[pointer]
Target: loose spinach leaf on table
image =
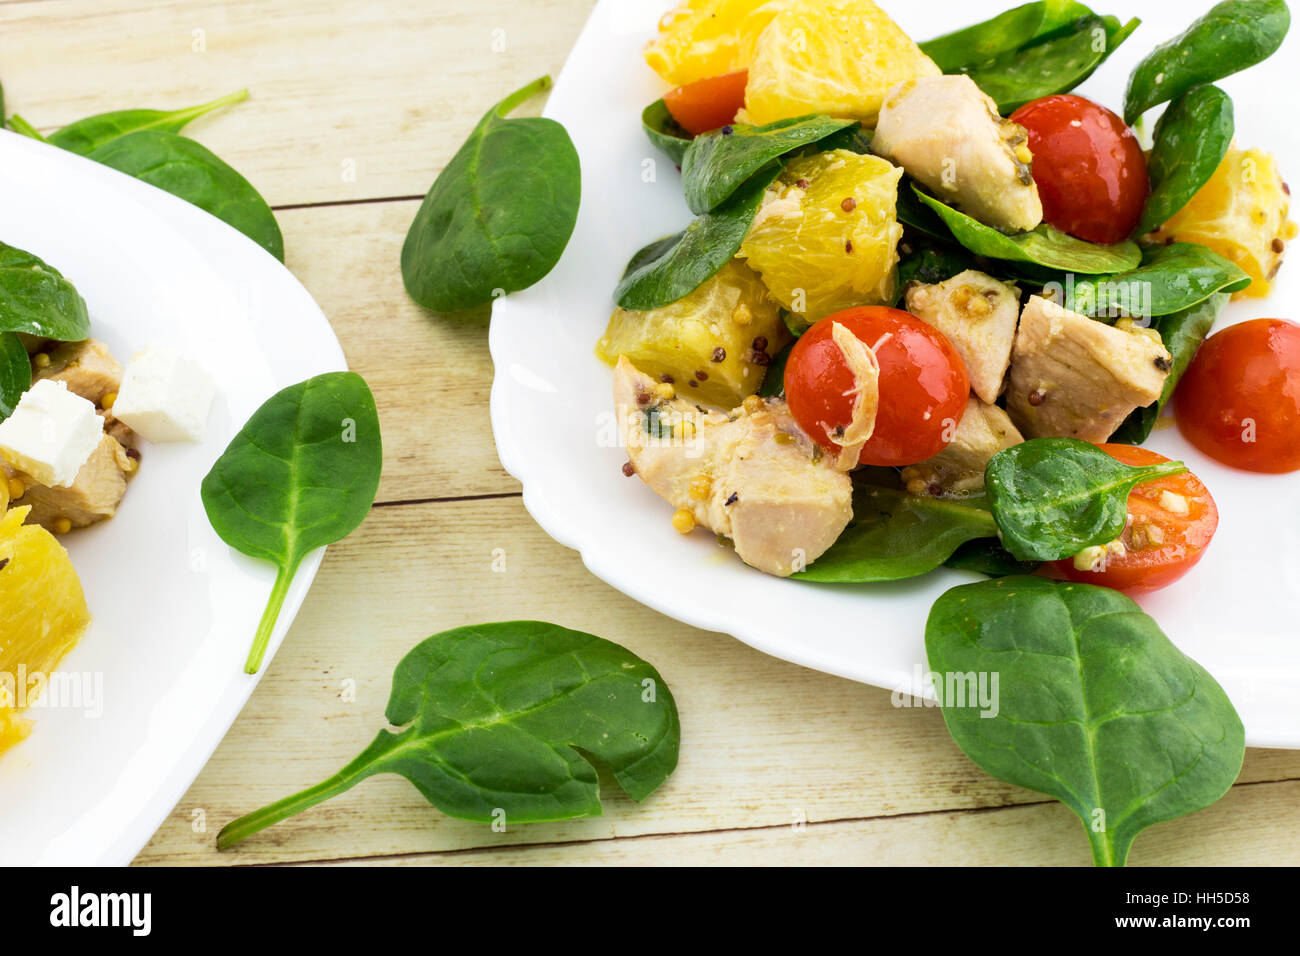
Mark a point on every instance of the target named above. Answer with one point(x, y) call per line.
point(21, 126)
point(499, 215)
point(1191, 139)
point(499, 719)
point(301, 474)
point(971, 46)
point(1233, 36)
point(1182, 332)
point(1171, 279)
point(717, 163)
point(987, 556)
point(36, 299)
point(667, 270)
point(665, 132)
point(894, 535)
point(15, 372)
point(1095, 706)
point(187, 169)
point(87, 135)
point(1042, 245)
point(1053, 497)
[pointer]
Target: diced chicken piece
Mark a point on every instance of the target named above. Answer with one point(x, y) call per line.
point(947, 134)
point(1076, 377)
point(85, 367)
point(978, 315)
point(93, 496)
point(984, 431)
point(750, 475)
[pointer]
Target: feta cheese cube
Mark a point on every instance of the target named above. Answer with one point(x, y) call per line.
point(164, 397)
point(51, 434)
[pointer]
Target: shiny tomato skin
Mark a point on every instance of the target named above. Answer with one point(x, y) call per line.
point(923, 384)
point(1184, 537)
point(1239, 401)
point(708, 104)
point(1089, 167)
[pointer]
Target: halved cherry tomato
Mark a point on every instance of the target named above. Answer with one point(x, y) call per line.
point(1239, 401)
point(1088, 165)
point(1161, 543)
point(923, 384)
point(708, 104)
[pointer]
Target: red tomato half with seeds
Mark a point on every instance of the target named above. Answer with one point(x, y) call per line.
point(923, 385)
point(1089, 167)
point(707, 104)
point(1173, 520)
point(1239, 401)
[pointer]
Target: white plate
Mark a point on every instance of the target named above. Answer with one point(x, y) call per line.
point(1236, 613)
point(174, 608)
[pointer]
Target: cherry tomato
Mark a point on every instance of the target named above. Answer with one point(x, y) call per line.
point(923, 384)
point(1160, 545)
point(707, 104)
point(1239, 401)
point(1088, 165)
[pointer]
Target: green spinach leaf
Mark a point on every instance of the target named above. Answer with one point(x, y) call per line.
point(676, 266)
point(1171, 279)
point(1191, 139)
point(36, 299)
point(301, 474)
point(185, 168)
point(665, 132)
point(717, 163)
point(1053, 497)
point(894, 535)
point(1182, 332)
point(15, 372)
point(987, 556)
point(499, 215)
point(774, 379)
point(1234, 35)
point(497, 722)
point(1093, 704)
point(931, 264)
point(87, 135)
point(20, 125)
point(971, 46)
point(1042, 245)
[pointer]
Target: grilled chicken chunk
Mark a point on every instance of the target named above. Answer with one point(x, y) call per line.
point(85, 367)
point(947, 134)
point(978, 315)
point(984, 430)
point(1076, 377)
point(93, 496)
point(750, 475)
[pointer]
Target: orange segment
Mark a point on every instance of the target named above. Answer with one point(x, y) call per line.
point(706, 38)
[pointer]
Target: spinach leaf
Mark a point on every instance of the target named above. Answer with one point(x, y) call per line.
point(931, 264)
point(853, 138)
point(1054, 64)
point(1093, 704)
point(960, 50)
point(916, 215)
point(1042, 245)
point(36, 299)
point(1053, 497)
point(15, 372)
point(87, 135)
point(20, 125)
point(987, 556)
point(1191, 139)
point(774, 379)
point(1182, 332)
point(1171, 279)
point(499, 719)
point(1234, 35)
point(894, 535)
point(302, 473)
point(499, 215)
point(665, 132)
point(191, 171)
point(676, 266)
point(717, 163)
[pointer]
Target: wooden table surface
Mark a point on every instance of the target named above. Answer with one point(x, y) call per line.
point(354, 107)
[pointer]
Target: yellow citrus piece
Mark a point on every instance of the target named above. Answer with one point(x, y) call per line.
point(705, 38)
point(44, 613)
point(826, 237)
point(829, 56)
point(1242, 214)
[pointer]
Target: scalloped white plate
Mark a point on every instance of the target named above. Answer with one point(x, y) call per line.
point(174, 608)
point(1237, 612)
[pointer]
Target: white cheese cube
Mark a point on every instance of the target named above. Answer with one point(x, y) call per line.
point(164, 396)
point(51, 434)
